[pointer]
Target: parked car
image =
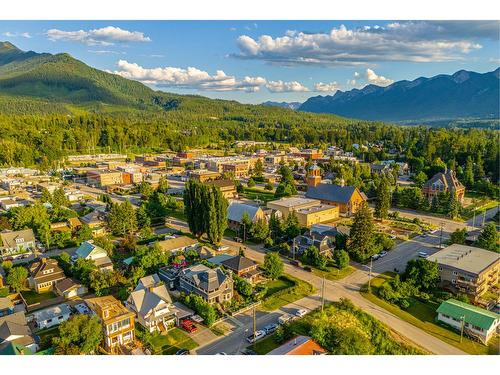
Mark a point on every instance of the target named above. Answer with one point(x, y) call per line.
point(188, 326)
point(258, 335)
point(237, 239)
point(270, 328)
point(300, 313)
point(423, 254)
point(197, 319)
point(382, 254)
point(223, 248)
point(182, 352)
point(375, 257)
point(285, 318)
point(434, 231)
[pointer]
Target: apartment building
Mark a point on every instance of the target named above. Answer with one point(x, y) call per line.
point(467, 269)
point(103, 178)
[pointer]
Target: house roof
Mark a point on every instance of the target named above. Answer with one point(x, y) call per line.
point(238, 263)
point(15, 325)
point(9, 237)
point(177, 243)
point(66, 284)
point(11, 348)
point(331, 230)
point(236, 210)
point(301, 345)
point(6, 303)
point(205, 278)
point(447, 178)
point(220, 183)
point(93, 217)
point(46, 269)
point(218, 259)
point(466, 258)
point(51, 312)
point(471, 314)
point(329, 192)
point(86, 248)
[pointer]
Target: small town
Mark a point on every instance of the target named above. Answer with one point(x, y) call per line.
point(243, 251)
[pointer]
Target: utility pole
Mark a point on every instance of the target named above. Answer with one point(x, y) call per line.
point(323, 294)
point(254, 324)
point(441, 236)
point(370, 275)
point(462, 328)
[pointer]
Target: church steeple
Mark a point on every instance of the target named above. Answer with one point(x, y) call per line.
point(314, 175)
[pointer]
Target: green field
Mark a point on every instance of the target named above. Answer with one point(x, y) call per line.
point(285, 290)
point(254, 193)
point(264, 346)
point(333, 273)
point(422, 315)
point(171, 342)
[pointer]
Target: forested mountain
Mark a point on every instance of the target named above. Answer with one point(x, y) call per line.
point(461, 95)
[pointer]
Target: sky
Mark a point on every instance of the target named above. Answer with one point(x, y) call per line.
point(256, 61)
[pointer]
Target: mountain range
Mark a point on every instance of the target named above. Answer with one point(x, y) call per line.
point(464, 94)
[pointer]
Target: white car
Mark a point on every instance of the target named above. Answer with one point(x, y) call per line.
point(382, 254)
point(197, 319)
point(258, 335)
point(223, 248)
point(300, 313)
point(423, 254)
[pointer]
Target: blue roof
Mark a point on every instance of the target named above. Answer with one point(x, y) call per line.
point(333, 193)
point(236, 210)
point(86, 248)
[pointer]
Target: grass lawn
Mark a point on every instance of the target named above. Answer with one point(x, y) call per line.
point(171, 342)
point(285, 290)
point(422, 316)
point(4, 292)
point(177, 214)
point(254, 193)
point(33, 297)
point(334, 273)
point(264, 346)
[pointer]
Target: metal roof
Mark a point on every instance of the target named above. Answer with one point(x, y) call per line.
point(471, 314)
point(329, 192)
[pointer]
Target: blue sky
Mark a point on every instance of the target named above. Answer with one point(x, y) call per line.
point(255, 61)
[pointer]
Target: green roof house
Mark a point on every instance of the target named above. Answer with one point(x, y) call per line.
point(478, 323)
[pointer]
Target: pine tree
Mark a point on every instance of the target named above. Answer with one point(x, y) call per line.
point(383, 200)
point(360, 244)
point(488, 238)
point(469, 173)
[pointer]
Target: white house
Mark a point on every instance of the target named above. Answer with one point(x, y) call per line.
point(88, 250)
point(51, 316)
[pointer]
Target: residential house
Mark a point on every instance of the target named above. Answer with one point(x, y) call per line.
point(444, 182)
point(117, 321)
point(96, 221)
point(213, 285)
point(175, 244)
point(50, 316)
point(70, 288)
point(476, 322)
point(15, 242)
point(467, 269)
point(331, 230)
point(44, 274)
point(227, 188)
point(243, 267)
point(14, 331)
point(324, 243)
point(300, 345)
point(348, 198)
point(89, 250)
point(380, 168)
point(237, 210)
point(151, 303)
point(6, 306)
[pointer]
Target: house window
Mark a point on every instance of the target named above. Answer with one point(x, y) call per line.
point(453, 281)
point(455, 273)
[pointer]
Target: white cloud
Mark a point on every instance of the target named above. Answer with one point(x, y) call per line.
point(9, 34)
point(191, 78)
point(326, 87)
point(281, 86)
point(373, 78)
point(105, 52)
point(105, 36)
point(404, 41)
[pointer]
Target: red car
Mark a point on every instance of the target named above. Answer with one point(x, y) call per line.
point(188, 326)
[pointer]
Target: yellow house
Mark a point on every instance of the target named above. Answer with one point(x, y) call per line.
point(308, 211)
point(116, 320)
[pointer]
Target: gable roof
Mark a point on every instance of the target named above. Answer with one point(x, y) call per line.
point(15, 325)
point(66, 284)
point(46, 269)
point(149, 293)
point(87, 248)
point(329, 192)
point(238, 263)
point(447, 178)
point(471, 314)
point(205, 278)
point(176, 243)
point(236, 210)
point(9, 237)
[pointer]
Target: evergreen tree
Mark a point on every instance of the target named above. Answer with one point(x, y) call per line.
point(273, 265)
point(275, 227)
point(458, 236)
point(162, 185)
point(122, 219)
point(341, 258)
point(360, 244)
point(383, 200)
point(16, 278)
point(469, 173)
point(258, 170)
point(488, 238)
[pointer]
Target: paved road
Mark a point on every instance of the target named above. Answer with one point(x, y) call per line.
point(346, 288)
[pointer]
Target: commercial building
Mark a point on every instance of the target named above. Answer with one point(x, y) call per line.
point(308, 211)
point(227, 188)
point(467, 269)
point(348, 198)
point(103, 178)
